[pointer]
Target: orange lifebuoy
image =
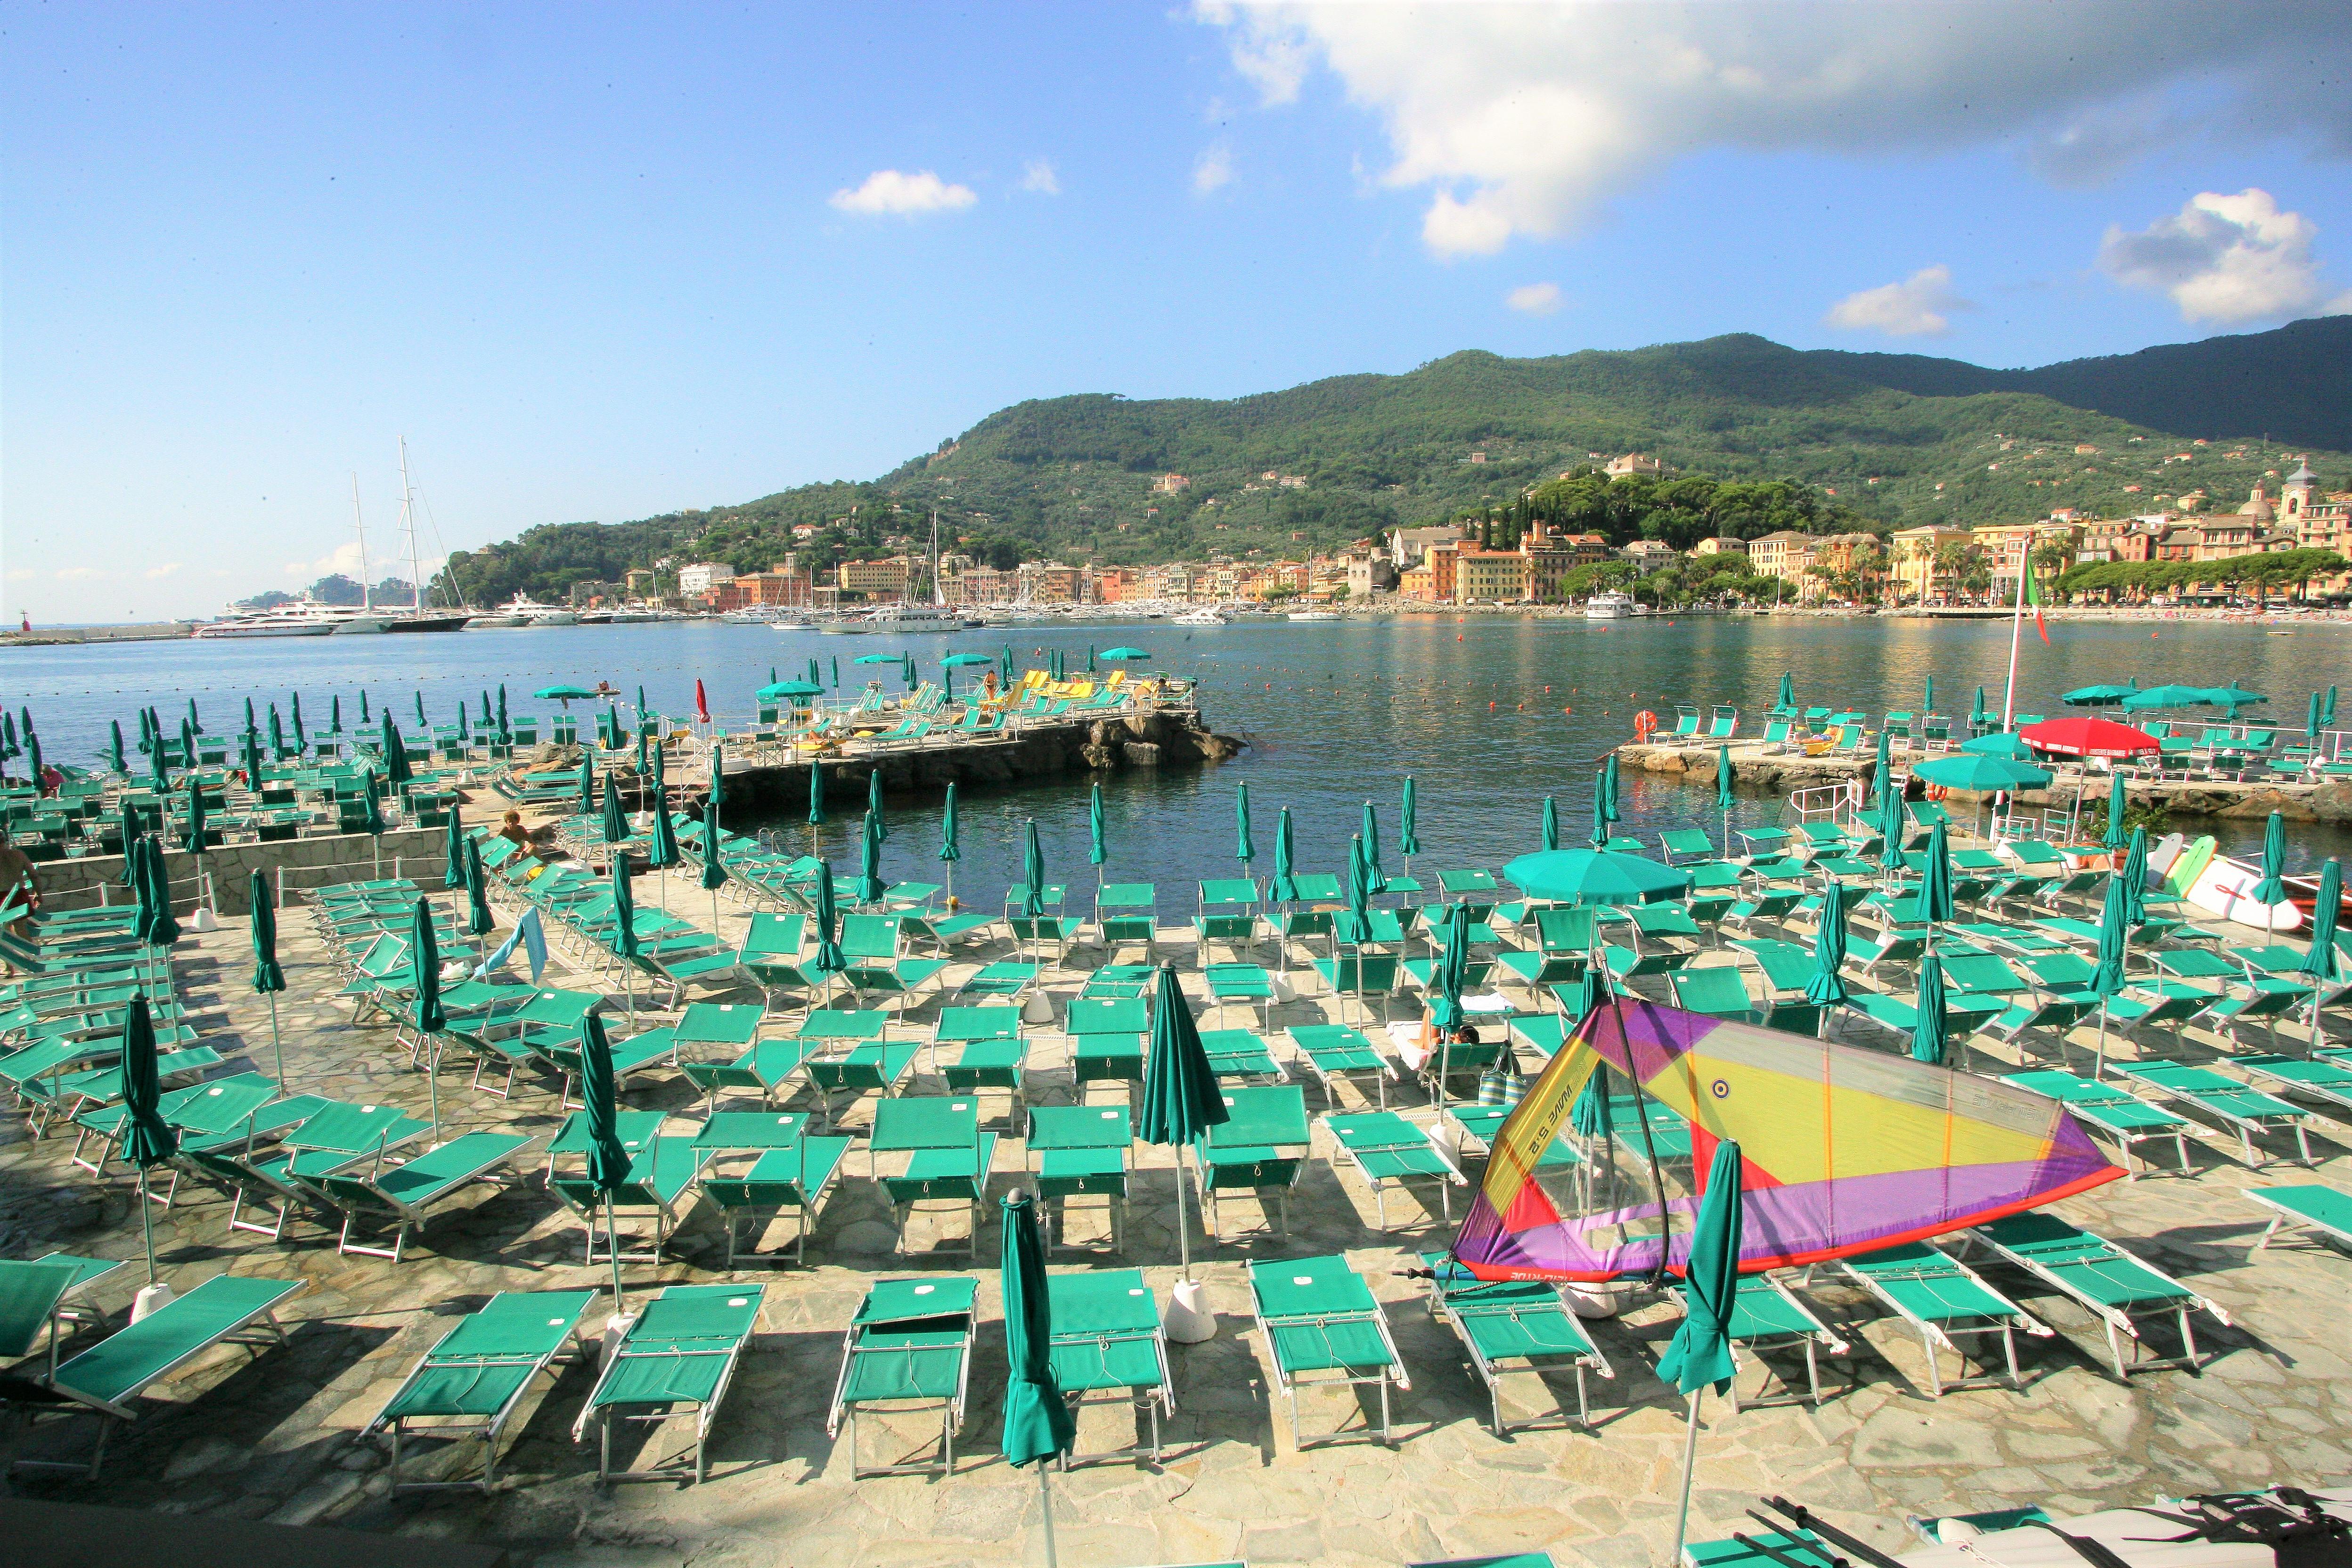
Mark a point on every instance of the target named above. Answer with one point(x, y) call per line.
point(1934, 791)
point(1644, 724)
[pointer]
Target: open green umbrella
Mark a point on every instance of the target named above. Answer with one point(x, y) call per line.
point(828, 959)
point(567, 695)
point(1550, 823)
point(1245, 847)
point(425, 1011)
point(950, 850)
point(2005, 743)
point(608, 1157)
point(121, 765)
point(147, 1139)
point(1033, 872)
point(1376, 880)
point(2117, 834)
point(2271, 888)
point(269, 978)
point(1826, 989)
point(1700, 1353)
point(2157, 697)
point(1098, 840)
point(616, 826)
point(1038, 1425)
point(2101, 696)
point(1725, 777)
point(1596, 877)
point(453, 850)
point(1126, 655)
point(1936, 879)
point(876, 658)
point(870, 886)
point(789, 689)
point(1181, 1097)
point(965, 660)
point(1285, 885)
point(2134, 878)
point(1975, 771)
point(1407, 827)
point(1930, 1029)
point(2234, 697)
point(2319, 959)
point(2108, 979)
point(873, 807)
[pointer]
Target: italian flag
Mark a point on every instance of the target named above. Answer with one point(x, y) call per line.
point(2029, 593)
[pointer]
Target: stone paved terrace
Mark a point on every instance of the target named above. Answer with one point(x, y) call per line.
point(277, 1436)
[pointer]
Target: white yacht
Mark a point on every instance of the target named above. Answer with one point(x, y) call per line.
point(1314, 615)
point(898, 620)
point(1206, 615)
point(1610, 607)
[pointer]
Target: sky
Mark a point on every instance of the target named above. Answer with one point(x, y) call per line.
point(602, 262)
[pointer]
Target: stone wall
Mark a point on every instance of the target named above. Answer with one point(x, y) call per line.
point(307, 863)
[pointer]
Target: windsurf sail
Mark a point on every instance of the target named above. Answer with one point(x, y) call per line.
point(1843, 1150)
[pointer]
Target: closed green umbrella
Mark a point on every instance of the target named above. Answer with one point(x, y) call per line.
point(817, 818)
point(1700, 1353)
point(608, 1157)
point(2319, 959)
point(663, 854)
point(1358, 919)
point(453, 850)
point(1038, 1425)
point(836, 672)
point(1550, 823)
point(252, 744)
point(1245, 847)
point(1407, 827)
point(1891, 820)
point(1725, 776)
point(587, 785)
point(364, 707)
point(1090, 658)
point(2327, 713)
point(193, 840)
point(195, 723)
point(335, 715)
point(425, 1011)
point(33, 768)
point(1453, 970)
point(301, 741)
point(395, 761)
point(1976, 714)
point(1097, 842)
point(1931, 1034)
point(1596, 876)
point(1936, 881)
point(1881, 770)
point(616, 821)
point(2134, 878)
point(479, 920)
point(1592, 1115)
point(1928, 696)
point(488, 722)
point(147, 1139)
point(1181, 1097)
point(1033, 872)
point(1609, 787)
point(1284, 887)
point(2108, 979)
point(187, 743)
point(828, 959)
point(2271, 888)
point(464, 737)
point(1786, 696)
point(874, 806)
point(950, 850)
point(870, 862)
point(1600, 813)
point(157, 773)
point(132, 832)
point(268, 979)
point(372, 811)
point(422, 721)
point(1376, 882)
point(2117, 834)
point(1827, 987)
point(163, 930)
point(502, 707)
point(624, 942)
point(121, 765)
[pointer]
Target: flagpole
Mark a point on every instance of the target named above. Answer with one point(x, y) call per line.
point(2016, 631)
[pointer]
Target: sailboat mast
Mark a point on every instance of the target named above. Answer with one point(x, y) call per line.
point(939, 592)
point(358, 526)
point(408, 520)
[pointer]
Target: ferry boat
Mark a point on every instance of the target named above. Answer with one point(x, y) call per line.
point(1314, 615)
point(1610, 607)
point(900, 620)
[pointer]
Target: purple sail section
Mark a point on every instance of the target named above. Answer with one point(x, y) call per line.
point(1642, 1039)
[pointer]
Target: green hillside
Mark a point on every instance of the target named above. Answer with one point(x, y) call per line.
point(1876, 441)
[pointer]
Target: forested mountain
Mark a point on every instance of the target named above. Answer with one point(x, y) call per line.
point(1824, 440)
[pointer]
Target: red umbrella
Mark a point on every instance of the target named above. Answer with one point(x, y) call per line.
point(701, 703)
point(2087, 737)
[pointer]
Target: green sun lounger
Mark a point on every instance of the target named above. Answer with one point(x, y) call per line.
point(472, 1381)
point(401, 1194)
point(2123, 1116)
point(1250, 1152)
point(2321, 1208)
point(1766, 1315)
point(1080, 1151)
point(661, 1172)
point(106, 1379)
point(875, 1067)
point(790, 1168)
point(35, 1295)
point(1240, 1056)
point(1107, 1032)
point(1388, 1151)
point(949, 1157)
point(2116, 1288)
point(2323, 1080)
point(909, 1347)
point(1944, 1301)
point(1513, 1328)
point(1323, 1329)
point(679, 1357)
point(1334, 1054)
point(1763, 1549)
point(1108, 1340)
point(2245, 1110)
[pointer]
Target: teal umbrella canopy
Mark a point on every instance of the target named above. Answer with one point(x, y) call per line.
point(567, 695)
point(790, 688)
point(1453, 970)
point(1930, 1033)
point(873, 807)
point(1827, 987)
point(479, 922)
point(1596, 877)
point(1181, 1097)
point(950, 850)
point(1245, 847)
point(1033, 871)
point(2134, 878)
point(1098, 841)
point(2098, 696)
point(966, 660)
point(2157, 697)
point(2005, 743)
point(1125, 655)
point(2117, 834)
point(1376, 882)
point(1284, 887)
point(2271, 888)
point(2234, 697)
point(1936, 879)
point(1700, 1355)
point(2320, 962)
point(2115, 929)
point(1550, 823)
point(870, 862)
point(1037, 1420)
point(1408, 822)
point(876, 658)
point(1724, 776)
point(424, 956)
point(268, 976)
point(624, 941)
point(1982, 774)
point(828, 959)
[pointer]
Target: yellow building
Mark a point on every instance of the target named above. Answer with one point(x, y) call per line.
point(1786, 553)
point(1911, 556)
point(1498, 576)
point(885, 579)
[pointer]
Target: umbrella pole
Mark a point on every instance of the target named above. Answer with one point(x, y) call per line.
point(275, 1044)
point(613, 1247)
point(433, 1080)
point(2099, 1064)
point(1045, 1502)
point(147, 1223)
point(1183, 1230)
point(1690, 1465)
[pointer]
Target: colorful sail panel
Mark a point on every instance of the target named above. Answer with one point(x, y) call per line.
point(1843, 1150)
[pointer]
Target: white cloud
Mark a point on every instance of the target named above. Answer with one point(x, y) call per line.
point(1534, 298)
point(78, 574)
point(155, 574)
point(1518, 121)
point(1213, 169)
point(2225, 260)
point(1915, 308)
point(1038, 175)
point(888, 193)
